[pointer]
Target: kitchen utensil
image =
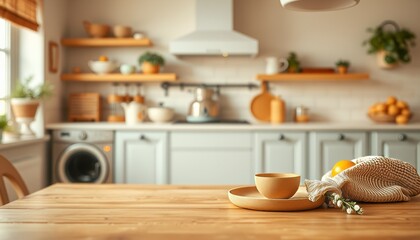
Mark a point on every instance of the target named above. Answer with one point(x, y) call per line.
point(121, 31)
point(277, 185)
point(96, 30)
point(203, 108)
point(260, 104)
point(249, 197)
point(134, 112)
point(160, 114)
point(275, 65)
point(102, 67)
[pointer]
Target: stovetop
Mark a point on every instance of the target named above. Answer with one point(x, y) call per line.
point(220, 121)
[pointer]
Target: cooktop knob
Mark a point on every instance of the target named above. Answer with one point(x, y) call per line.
point(83, 135)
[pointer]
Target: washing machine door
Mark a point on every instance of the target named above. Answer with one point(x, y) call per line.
point(82, 163)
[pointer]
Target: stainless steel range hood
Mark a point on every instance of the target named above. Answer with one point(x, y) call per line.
point(214, 34)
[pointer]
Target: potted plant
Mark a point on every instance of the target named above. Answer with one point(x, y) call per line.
point(150, 62)
point(25, 101)
point(294, 64)
point(391, 46)
point(3, 125)
point(342, 66)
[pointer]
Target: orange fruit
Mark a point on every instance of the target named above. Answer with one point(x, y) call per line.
point(391, 100)
point(393, 110)
point(406, 112)
point(401, 119)
point(103, 58)
point(402, 105)
point(341, 166)
point(381, 108)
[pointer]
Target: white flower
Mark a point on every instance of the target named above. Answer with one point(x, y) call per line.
point(339, 203)
point(349, 211)
point(356, 208)
point(336, 197)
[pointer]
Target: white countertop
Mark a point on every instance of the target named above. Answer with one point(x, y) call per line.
point(366, 126)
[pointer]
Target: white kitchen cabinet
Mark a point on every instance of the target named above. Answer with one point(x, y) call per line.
point(400, 145)
point(141, 157)
point(30, 164)
point(211, 158)
point(326, 148)
point(278, 151)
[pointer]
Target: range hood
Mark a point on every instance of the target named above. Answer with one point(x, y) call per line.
point(214, 34)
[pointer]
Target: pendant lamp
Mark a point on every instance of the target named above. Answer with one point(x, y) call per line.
point(318, 5)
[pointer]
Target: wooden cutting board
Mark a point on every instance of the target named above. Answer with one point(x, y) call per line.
point(260, 104)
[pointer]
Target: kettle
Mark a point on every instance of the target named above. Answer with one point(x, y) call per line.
point(134, 112)
point(203, 108)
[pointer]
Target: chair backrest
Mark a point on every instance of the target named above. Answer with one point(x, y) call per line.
point(7, 170)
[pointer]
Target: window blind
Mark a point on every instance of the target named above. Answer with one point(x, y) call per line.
point(20, 12)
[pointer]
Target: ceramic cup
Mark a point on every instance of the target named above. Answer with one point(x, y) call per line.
point(277, 185)
point(127, 69)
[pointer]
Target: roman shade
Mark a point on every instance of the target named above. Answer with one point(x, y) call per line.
point(20, 12)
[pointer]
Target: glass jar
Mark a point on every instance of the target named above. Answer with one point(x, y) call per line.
point(301, 114)
point(116, 110)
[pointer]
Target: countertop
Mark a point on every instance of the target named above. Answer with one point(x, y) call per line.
point(312, 126)
point(111, 211)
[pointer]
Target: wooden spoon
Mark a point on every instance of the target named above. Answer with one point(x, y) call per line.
point(260, 104)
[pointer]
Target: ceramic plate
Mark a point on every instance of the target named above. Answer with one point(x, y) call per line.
point(250, 198)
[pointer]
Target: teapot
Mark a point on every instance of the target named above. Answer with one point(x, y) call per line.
point(134, 112)
point(276, 65)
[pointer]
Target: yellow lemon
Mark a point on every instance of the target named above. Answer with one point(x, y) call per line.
point(341, 166)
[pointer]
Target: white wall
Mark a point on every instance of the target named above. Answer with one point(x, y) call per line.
point(319, 39)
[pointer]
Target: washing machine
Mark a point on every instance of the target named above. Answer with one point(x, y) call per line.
point(82, 156)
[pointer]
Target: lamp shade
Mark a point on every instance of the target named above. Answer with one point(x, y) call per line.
point(318, 5)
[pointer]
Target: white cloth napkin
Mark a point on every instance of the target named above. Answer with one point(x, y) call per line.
point(372, 179)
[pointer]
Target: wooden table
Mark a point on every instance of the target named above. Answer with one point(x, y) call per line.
point(77, 211)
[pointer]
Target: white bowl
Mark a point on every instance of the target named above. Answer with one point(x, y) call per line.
point(101, 67)
point(160, 114)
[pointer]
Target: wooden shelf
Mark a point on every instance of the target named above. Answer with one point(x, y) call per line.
point(312, 76)
point(116, 77)
point(106, 42)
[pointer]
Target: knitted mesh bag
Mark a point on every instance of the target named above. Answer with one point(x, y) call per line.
point(372, 179)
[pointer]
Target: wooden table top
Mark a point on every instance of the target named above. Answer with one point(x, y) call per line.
point(84, 211)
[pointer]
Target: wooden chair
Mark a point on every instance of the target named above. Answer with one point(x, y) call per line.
point(8, 171)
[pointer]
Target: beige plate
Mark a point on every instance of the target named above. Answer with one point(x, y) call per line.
point(250, 198)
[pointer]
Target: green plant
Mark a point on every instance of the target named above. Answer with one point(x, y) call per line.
point(3, 122)
point(294, 64)
point(24, 90)
point(395, 43)
point(343, 63)
point(152, 58)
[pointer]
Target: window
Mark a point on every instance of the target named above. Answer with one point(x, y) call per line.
point(4, 64)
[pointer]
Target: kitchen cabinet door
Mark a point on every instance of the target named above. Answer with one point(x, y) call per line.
point(326, 148)
point(400, 145)
point(281, 152)
point(211, 158)
point(141, 157)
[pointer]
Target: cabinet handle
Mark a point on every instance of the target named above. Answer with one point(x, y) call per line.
point(281, 138)
point(341, 137)
point(402, 137)
point(142, 137)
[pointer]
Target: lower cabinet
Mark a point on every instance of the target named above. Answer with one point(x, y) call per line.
point(400, 145)
point(326, 148)
point(141, 157)
point(281, 152)
point(211, 158)
point(30, 164)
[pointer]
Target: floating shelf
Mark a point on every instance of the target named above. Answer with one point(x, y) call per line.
point(115, 77)
point(106, 42)
point(312, 76)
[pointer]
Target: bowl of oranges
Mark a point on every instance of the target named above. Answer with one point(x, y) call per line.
point(392, 110)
